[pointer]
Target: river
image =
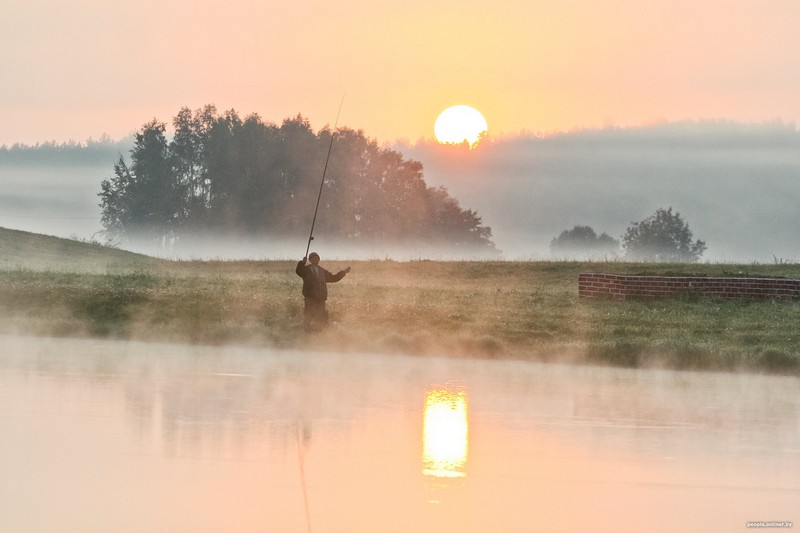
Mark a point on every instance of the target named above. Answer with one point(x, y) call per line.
point(99, 436)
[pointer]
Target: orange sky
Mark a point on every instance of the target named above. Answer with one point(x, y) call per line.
point(78, 69)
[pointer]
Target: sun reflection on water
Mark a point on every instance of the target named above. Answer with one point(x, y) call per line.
point(445, 433)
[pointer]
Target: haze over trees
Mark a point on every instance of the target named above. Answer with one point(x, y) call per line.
point(737, 183)
point(583, 241)
point(663, 236)
point(528, 188)
point(224, 175)
point(86, 152)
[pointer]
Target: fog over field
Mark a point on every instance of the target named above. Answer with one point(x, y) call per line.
point(736, 185)
point(60, 201)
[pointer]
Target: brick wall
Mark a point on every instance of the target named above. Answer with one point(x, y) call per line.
point(620, 287)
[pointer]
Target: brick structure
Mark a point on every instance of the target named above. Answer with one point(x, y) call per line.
point(620, 287)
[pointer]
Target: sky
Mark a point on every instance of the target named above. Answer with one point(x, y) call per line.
point(74, 70)
point(599, 112)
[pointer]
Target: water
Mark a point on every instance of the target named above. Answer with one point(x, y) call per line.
point(111, 436)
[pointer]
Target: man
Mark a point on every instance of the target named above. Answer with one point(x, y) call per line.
point(315, 291)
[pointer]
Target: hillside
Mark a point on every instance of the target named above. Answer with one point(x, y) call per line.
point(21, 249)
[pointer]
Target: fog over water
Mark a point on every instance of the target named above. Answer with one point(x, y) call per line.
point(120, 436)
point(736, 185)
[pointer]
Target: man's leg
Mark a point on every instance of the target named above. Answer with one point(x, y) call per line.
point(316, 317)
point(323, 315)
point(308, 315)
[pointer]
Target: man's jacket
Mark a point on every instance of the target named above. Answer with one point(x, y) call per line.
point(315, 280)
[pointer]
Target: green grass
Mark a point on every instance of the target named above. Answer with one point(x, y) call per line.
point(21, 249)
point(522, 310)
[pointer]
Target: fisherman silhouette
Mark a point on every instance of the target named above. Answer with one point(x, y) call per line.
point(315, 291)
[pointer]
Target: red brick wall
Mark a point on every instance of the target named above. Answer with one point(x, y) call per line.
point(620, 287)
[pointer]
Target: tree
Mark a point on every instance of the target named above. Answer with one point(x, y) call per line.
point(224, 175)
point(582, 240)
point(663, 236)
point(143, 200)
point(114, 200)
point(188, 151)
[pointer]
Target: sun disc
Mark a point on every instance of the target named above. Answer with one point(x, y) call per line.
point(460, 123)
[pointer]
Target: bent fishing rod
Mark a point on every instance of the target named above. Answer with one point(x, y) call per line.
point(322, 183)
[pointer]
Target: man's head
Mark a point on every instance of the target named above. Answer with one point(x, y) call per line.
point(313, 258)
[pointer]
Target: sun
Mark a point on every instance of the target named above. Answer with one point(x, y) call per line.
point(458, 124)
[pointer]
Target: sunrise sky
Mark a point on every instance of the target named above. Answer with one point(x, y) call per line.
point(79, 69)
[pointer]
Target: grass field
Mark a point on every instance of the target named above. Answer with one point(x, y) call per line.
point(523, 310)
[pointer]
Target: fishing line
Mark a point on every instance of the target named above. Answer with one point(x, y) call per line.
point(324, 171)
point(301, 462)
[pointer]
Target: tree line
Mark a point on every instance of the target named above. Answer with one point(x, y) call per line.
point(89, 152)
point(664, 236)
point(222, 174)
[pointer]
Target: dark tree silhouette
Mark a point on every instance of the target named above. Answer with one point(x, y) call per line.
point(663, 236)
point(143, 200)
point(228, 175)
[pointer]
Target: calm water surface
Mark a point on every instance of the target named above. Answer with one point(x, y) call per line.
point(126, 437)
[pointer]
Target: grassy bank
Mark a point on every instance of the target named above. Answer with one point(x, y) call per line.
point(476, 309)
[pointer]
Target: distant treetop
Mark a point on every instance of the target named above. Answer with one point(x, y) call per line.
point(583, 242)
point(663, 236)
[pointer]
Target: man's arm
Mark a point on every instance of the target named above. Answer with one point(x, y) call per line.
point(301, 267)
point(333, 278)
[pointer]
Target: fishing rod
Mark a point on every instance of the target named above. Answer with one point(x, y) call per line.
point(324, 171)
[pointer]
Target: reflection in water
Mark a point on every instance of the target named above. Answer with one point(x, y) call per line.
point(445, 433)
point(205, 439)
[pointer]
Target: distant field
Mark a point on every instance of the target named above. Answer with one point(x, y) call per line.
point(522, 310)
